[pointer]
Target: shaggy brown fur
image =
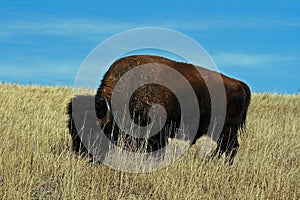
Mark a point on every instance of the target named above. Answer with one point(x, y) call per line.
point(237, 98)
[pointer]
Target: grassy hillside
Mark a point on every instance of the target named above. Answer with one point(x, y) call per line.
point(36, 161)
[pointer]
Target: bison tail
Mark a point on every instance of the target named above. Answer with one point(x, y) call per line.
point(246, 103)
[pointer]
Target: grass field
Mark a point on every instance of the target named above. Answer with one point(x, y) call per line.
point(36, 161)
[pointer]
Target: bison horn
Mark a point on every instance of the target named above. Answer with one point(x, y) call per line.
point(108, 116)
point(102, 122)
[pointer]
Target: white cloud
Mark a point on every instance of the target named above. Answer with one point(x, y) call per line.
point(249, 60)
point(92, 27)
point(38, 69)
point(212, 23)
point(63, 27)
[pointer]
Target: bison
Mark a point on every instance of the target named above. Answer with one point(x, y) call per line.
point(236, 102)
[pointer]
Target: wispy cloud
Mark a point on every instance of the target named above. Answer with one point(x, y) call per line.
point(250, 60)
point(241, 22)
point(79, 27)
point(88, 29)
point(39, 71)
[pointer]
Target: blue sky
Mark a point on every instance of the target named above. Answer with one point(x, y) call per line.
point(45, 42)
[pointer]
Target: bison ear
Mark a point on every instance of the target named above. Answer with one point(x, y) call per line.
point(102, 107)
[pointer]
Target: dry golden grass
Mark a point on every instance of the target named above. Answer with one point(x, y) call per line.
point(36, 161)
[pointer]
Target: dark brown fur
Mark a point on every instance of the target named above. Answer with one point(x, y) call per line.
point(237, 96)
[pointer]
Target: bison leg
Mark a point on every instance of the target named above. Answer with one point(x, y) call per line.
point(77, 145)
point(228, 144)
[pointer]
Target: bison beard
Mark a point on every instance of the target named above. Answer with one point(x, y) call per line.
point(237, 99)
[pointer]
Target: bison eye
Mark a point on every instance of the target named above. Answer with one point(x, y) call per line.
point(101, 108)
